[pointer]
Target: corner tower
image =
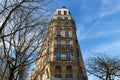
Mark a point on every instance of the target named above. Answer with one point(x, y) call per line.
point(60, 55)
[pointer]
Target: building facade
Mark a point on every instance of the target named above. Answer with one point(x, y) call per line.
point(60, 57)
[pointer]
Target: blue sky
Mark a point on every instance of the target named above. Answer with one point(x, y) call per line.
point(97, 22)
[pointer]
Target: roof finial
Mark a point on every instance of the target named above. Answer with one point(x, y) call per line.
point(63, 7)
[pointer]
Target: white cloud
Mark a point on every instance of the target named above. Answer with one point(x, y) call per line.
point(110, 47)
point(105, 2)
point(109, 7)
point(91, 33)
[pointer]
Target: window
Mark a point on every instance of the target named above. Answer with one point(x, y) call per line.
point(58, 33)
point(65, 12)
point(58, 43)
point(59, 12)
point(58, 56)
point(58, 24)
point(67, 44)
point(67, 33)
point(58, 72)
point(66, 25)
point(66, 18)
point(68, 56)
point(68, 72)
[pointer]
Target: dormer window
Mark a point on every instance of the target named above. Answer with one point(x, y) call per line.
point(59, 12)
point(65, 12)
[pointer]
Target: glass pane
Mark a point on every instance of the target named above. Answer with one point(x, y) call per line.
point(65, 12)
point(58, 72)
point(58, 56)
point(58, 43)
point(58, 33)
point(68, 56)
point(67, 33)
point(68, 72)
point(59, 12)
point(67, 44)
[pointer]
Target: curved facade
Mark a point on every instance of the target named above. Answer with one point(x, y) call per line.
point(60, 55)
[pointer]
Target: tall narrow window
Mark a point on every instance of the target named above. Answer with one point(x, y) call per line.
point(59, 12)
point(58, 33)
point(67, 44)
point(58, 43)
point(58, 24)
point(67, 33)
point(58, 56)
point(65, 12)
point(68, 56)
point(68, 72)
point(58, 72)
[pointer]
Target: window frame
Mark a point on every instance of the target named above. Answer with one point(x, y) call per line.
point(58, 33)
point(58, 56)
point(58, 44)
point(69, 72)
point(67, 44)
point(66, 33)
point(58, 72)
point(59, 12)
point(68, 56)
point(65, 12)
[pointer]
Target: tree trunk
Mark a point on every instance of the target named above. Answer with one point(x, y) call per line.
point(108, 77)
point(11, 76)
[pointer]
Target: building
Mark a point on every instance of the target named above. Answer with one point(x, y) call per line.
point(60, 57)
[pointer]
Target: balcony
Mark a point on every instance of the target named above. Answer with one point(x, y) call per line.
point(59, 46)
point(63, 28)
point(63, 47)
point(68, 46)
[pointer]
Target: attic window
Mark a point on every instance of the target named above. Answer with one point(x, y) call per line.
point(65, 12)
point(59, 12)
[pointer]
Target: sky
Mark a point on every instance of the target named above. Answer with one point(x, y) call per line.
point(97, 22)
